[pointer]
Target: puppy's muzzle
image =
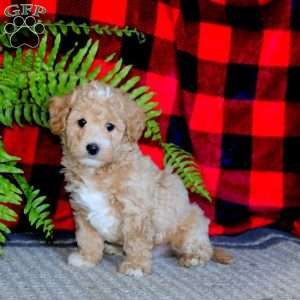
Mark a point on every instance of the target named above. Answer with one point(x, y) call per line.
point(92, 149)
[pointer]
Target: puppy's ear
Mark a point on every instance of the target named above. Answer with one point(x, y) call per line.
point(135, 121)
point(59, 108)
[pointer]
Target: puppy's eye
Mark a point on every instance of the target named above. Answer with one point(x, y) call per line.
point(81, 122)
point(110, 126)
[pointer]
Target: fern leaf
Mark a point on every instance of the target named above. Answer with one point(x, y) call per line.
point(75, 27)
point(59, 67)
point(107, 29)
point(129, 84)
point(52, 28)
point(7, 60)
point(38, 201)
point(62, 26)
point(53, 53)
point(52, 82)
point(9, 193)
point(8, 116)
point(83, 28)
point(149, 106)
point(62, 80)
point(120, 76)
point(40, 54)
point(85, 66)
point(7, 214)
point(10, 197)
point(77, 59)
point(2, 241)
point(36, 115)
point(5, 168)
point(18, 61)
point(2, 119)
point(184, 165)
point(98, 29)
point(33, 86)
point(4, 228)
point(110, 57)
point(94, 73)
point(18, 114)
point(113, 71)
point(3, 37)
point(44, 117)
point(5, 157)
point(72, 82)
point(35, 207)
point(27, 112)
point(142, 100)
point(153, 114)
point(139, 91)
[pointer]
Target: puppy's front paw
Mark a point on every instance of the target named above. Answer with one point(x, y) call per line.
point(134, 269)
point(77, 260)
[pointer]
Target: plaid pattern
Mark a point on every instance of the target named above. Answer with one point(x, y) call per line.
point(227, 76)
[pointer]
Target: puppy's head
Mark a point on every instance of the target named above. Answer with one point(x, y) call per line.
point(94, 121)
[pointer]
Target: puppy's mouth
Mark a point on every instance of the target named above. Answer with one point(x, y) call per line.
point(90, 162)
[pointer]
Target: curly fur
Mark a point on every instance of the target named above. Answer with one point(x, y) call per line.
point(119, 195)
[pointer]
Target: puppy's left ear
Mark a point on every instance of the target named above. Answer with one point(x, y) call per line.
point(59, 108)
point(135, 121)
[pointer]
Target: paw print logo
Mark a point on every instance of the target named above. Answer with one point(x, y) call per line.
point(24, 32)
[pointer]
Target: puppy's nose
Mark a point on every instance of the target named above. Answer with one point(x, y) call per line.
point(92, 148)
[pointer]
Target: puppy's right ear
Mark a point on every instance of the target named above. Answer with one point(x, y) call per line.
point(59, 107)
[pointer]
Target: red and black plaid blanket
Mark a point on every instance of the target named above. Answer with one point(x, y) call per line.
point(227, 77)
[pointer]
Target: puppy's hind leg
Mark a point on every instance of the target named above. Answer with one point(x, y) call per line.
point(89, 242)
point(190, 241)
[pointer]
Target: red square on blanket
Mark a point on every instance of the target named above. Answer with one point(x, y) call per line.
point(165, 21)
point(266, 189)
point(211, 178)
point(268, 118)
point(113, 12)
point(165, 91)
point(275, 48)
point(214, 42)
point(207, 114)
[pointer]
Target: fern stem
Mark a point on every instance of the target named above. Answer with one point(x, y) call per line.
point(100, 30)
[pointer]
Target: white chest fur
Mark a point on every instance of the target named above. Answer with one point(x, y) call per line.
point(100, 214)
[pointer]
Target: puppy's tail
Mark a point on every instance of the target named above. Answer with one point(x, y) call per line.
point(221, 256)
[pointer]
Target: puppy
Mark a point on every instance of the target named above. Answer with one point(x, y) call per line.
point(117, 194)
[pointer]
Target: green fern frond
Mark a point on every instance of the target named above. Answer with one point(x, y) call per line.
point(4, 40)
point(13, 188)
point(9, 193)
point(62, 27)
point(24, 94)
point(183, 163)
point(35, 208)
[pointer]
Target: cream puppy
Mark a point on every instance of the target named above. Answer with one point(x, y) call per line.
point(117, 194)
